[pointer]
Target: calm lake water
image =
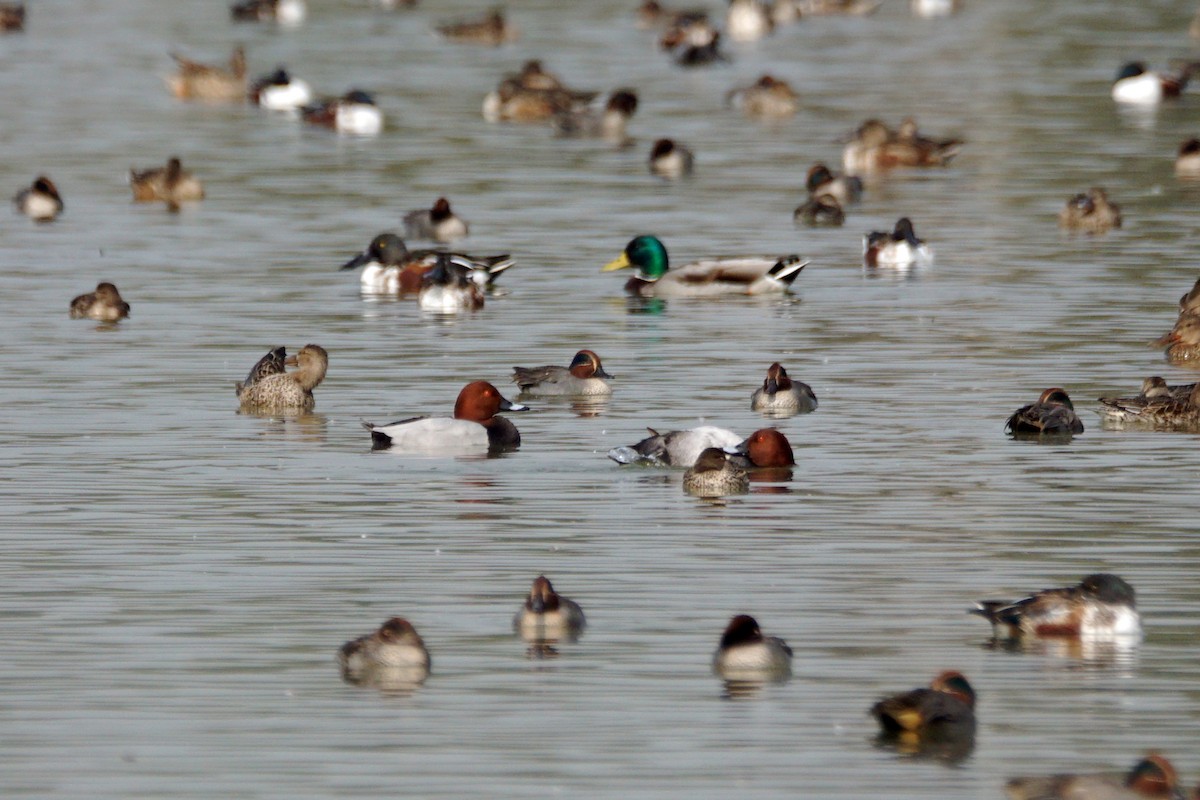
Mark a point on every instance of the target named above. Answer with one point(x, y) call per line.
point(177, 577)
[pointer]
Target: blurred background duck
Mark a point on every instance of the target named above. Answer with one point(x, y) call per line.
point(670, 160)
point(285, 12)
point(1092, 212)
point(390, 267)
point(39, 201)
point(548, 616)
point(12, 17)
point(353, 113)
point(875, 147)
point(171, 184)
point(820, 210)
point(744, 653)
point(491, 29)
point(766, 98)
point(1099, 606)
point(437, 224)
point(608, 123)
point(204, 82)
point(1187, 162)
point(820, 180)
point(899, 248)
point(280, 91)
point(1151, 777)
point(103, 305)
point(710, 277)
point(748, 20)
point(1137, 85)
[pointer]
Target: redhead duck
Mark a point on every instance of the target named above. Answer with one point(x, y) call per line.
point(393, 655)
point(1159, 406)
point(1101, 605)
point(204, 82)
point(547, 615)
point(268, 388)
point(748, 20)
point(392, 268)
point(437, 224)
point(768, 97)
point(876, 147)
point(285, 12)
point(608, 124)
point(670, 160)
point(820, 180)
point(781, 394)
point(1187, 162)
point(171, 184)
point(715, 474)
point(945, 709)
point(1151, 777)
point(674, 448)
point(103, 305)
point(1137, 85)
point(490, 29)
point(1090, 213)
point(353, 113)
point(474, 426)
point(1052, 415)
point(279, 91)
point(584, 376)
point(744, 653)
point(900, 248)
point(766, 448)
point(39, 201)
point(710, 277)
point(12, 17)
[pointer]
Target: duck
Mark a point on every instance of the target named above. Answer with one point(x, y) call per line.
point(1151, 777)
point(1092, 212)
point(900, 248)
point(670, 160)
point(653, 14)
point(273, 363)
point(103, 305)
point(279, 91)
point(12, 17)
point(392, 268)
point(512, 101)
point(1183, 340)
point(1158, 407)
point(875, 147)
point(204, 82)
point(171, 184)
point(826, 8)
point(583, 377)
point(1187, 162)
point(39, 201)
point(449, 288)
point(748, 20)
point(690, 54)
point(744, 653)
point(710, 277)
point(474, 427)
point(437, 223)
point(266, 391)
point(1052, 415)
point(946, 709)
point(820, 210)
point(766, 452)
point(766, 98)
point(781, 393)
point(821, 180)
point(1137, 85)
point(491, 29)
point(608, 124)
point(715, 474)
point(353, 113)
point(1099, 606)
point(929, 9)
point(285, 12)
point(548, 616)
point(394, 650)
point(678, 448)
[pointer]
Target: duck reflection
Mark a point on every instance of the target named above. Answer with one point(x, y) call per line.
point(299, 426)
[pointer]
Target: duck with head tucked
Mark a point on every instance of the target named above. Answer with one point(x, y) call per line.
point(1090, 213)
point(583, 377)
point(745, 654)
point(766, 98)
point(875, 147)
point(945, 709)
point(1099, 606)
point(390, 267)
point(608, 124)
point(207, 83)
point(268, 388)
point(765, 449)
point(671, 160)
point(1052, 415)
point(547, 615)
point(715, 474)
point(473, 428)
point(171, 184)
point(354, 113)
point(820, 210)
point(821, 180)
point(1151, 777)
point(436, 224)
point(1136, 85)
point(103, 305)
point(40, 200)
point(710, 277)
point(280, 91)
point(899, 248)
point(394, 654)
point(780, 394)
point(675, 448)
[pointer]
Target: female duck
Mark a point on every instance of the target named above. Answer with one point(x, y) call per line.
point(395, 646)
point(437, 224)
point(1100, 606)
point(766, 98)
point(1152, 777)
point(547, 615)
point(715, 474)
point(584, 377)
point(171, 184)
point(712, 277)
point(196, 81)
point(279, 91)
point(474, 427)
point(103, 305)
point(674, 448)
point(1159, 408)
point(268, 388)
point(946, 708)
point(353, 113)
point(874, 147)
point(392, 268)
point(1090, 213)
point(40, 201)
point(900, 248)
point(670, 160)
point(1183, 340)
point(780, 394)
point(745, 654)
point(820, 210)
point(491, 29)
point(1052, 415)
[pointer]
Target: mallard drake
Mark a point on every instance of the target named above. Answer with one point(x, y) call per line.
point(1052, 415)
point(437, 224)
point(267, 390)
point(170, 184)
point(40, 200)
point(583, 377)
point(1090, 213)
point(1100, 605)
point(103, 305)
point(711, 277)
point(548, 616)
point(196, 81)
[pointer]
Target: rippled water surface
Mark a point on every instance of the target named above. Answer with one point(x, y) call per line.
point(177, 577)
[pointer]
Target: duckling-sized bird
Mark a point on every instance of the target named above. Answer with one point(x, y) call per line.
point(1187, 162)
point(1099, 606)
point(1052, 415)
point(744, 653)
point(279, 91)
point(353, 113)
point(715, 474)
point(712, 277)
point(766, 98)
point(392, 268)
point(900, 248)
point(474, 427)
point(584, 377)
point(1137, 85)
point(491, 29)
point(448, 288)
point(670, 160)
point(1090, 213)
point(945, 709)
point(781, 394)
point(820, 210)
point(285, 12)
point(268, 391)
point(12, 17)
point(40, 200)
point(171, 184)
point(1151, 777)
point(438, 223)
point(207, 83)
point(547, 615)
point(392, 655)
point(103, 305)
point(1158, 407)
